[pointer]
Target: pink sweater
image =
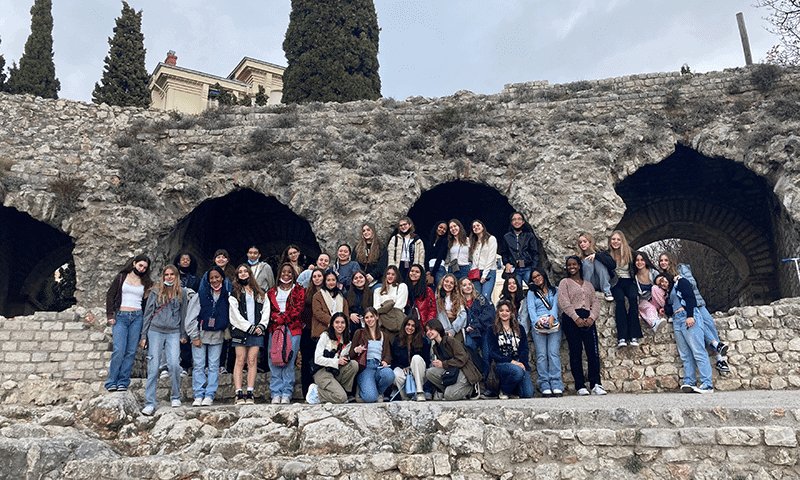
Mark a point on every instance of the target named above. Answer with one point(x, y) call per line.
point(572, 296)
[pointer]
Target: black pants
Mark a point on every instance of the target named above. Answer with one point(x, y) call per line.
point(628, 326)
point(579, 339)
point(307, 347)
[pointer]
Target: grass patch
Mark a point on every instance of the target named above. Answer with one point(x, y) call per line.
point(66, 191)
point(633, 464)
point(765, 76)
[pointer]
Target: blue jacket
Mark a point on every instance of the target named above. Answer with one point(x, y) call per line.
point(496, 354)
point(480, 315)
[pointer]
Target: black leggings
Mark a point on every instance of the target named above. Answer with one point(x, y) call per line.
point(579, 339)
point(628, 326)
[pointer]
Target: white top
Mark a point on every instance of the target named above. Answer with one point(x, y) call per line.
point(398, 294)
point(484, 257)
point(404, 256)
point(132, 296)
point(459, 252)
point(250, 308)
point(282, 295)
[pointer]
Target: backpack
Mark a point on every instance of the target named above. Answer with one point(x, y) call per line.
point(280, 348)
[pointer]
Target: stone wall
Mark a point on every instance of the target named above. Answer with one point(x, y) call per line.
point(69, 348)
point(556, 152)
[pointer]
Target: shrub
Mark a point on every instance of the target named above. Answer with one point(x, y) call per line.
point(785, 109)
point(415, 141)
point(137, 195)
point(125, 140)
point(142, 165)
point(447, 118)
point(765, 76)
point(672, 99)
point(66, 190)
point(286, 120)
point(192, 192)
point(261, 137)
point(269, 158)
point(205, 161)
point(216, 118)
point(579, 86)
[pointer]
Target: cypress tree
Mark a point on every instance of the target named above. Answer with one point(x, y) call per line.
point(125, 77)
point(36, 73)
point(2, 71)
point(331, 48)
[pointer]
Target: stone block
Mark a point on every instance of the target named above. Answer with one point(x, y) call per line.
point(597, 436)
point(735, 336)
point(762, 346)
point(794, 344)
point(780, 437)
point(738, 436)
point(52, 326)
point(415, 466)
point(745, 347)
point(698, 436)
point(673, 455)
point(9, 346)
point(659, 437)
point(41, 336)
point(59, 336)
point(328, 467)
point(24, 335)
point(66, 347)
point(5, 336)
point(37, 357)
point(79, 336)
point(48, 346)
point(765, 311)
point(83, 347)
point(74, 326)
point(17, 357)
point(441, 464)
point(28, 346)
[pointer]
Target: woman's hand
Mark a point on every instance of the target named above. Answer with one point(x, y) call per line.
point(183, 340)
point(551, 320)
point(258, 331)
point(355, 318)
point(690, 321)
point(509, 267)
point(590, 258)
point(197, 343)
point(344, 360)
point(429, 278)
point(436, 363)
point(143, 342)
point(469, 329)
point(384, 364)
point(483, 280)
point(370, 278)
point(359, 348)
point(112, 321)
point(519, 364)
point(451, 315)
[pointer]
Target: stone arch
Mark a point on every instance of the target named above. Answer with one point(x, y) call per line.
point(465, 201)
point(713, 201)
point(30, 251)
point(234, 222)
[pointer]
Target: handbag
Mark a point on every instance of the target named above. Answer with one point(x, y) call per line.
point(362, 358)
point(492, 380)
point(474, 274)
point(411, 384)
point(643, 294)
point(450, 376)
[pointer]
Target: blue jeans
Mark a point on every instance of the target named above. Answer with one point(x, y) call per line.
point(281, 379)
point(205, 385)
point(461, 272)
point(374, 380)
point(690, 345)
point(598, 275)
point(710, 334)
point(438, 275)
point(523, 274)
point(514, 378)
point(126, 331)
point(168, 343)
point(487, 287)
point(548, 361)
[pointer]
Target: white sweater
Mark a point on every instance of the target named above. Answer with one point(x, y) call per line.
point(484, 257)
point(398, 294)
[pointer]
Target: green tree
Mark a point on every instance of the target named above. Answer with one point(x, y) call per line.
point(221, 94)
point(125, 77)
point(331, 48)
point(261, 96)
point(36, 73)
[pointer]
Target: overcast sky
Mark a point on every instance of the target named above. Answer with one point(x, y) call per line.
point(431, 48)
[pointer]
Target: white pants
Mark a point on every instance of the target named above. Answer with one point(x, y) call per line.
point(417, 370)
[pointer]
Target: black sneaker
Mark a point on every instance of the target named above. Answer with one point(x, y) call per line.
point(111, 388)
point(122, 388)
point(239, 398)
point(249, 399)
point(722, 349)
point(722, 366)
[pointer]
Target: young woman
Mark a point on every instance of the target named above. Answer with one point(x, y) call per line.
point(580, 309)
point(651, 297)
point(480, 316)
point(437, 253)
point(358, 299)
point(411, 353)
point(285, 305)
point(222, 259)
point(377, 376)
point(542, 303)
point(451, 308)
point(370, 254)
point(688, 334)
point(447, 352)
point(668, 263)
point(421, 299)
point(344, 268)
point(163, 331)
point(390, 301)
point(334, 372)
point(307, 344)
point(405, 248)
point(458, 249)
point(323, 263)
point(520, 249)
point(249, 316)
point(125, 302)
point(598, 276)
point(512, 292)
point(619, 262)
point(206, 320)
point(291, 255)
point(262, 272)
point(187, 268)
point(483, 254)
point(326, 302)
point(508, 349)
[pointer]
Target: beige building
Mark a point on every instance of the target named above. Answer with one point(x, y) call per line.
point(187, 91)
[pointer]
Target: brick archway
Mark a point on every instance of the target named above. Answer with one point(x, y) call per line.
point(712, 201)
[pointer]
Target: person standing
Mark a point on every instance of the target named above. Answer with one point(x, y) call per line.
point(405, 248)
point(520, 250)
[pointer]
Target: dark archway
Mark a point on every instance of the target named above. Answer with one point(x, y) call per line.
point(713, 201)
point(30, 252)
point(236, 221)
point(465, 201)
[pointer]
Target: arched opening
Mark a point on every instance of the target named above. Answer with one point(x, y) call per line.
point(236, 221)
point(466, 201)
point(712, 201)
point(30, 253)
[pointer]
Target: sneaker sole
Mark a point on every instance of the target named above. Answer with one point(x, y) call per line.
point(687, 389)
point(723, 351)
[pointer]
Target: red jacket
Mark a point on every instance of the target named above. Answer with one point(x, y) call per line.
point(294, 307)
point(426, 307)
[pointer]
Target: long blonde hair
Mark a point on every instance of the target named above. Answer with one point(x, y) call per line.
point(624, 255)
point(167, 292)
point(456, 297)
point(592, 245)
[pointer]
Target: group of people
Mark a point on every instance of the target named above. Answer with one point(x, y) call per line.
point(403, 318)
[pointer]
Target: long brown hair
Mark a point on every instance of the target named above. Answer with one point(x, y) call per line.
point(312, 289)
point(413, 342)
point(238, 288)
point(168, 292)
point(461, 239)
point(375, 248)
point(513, 323)
point(475, 239)
point(368, 333)
point(624, 255)
point(398, 279)
point(673, 263)
point(455, 296)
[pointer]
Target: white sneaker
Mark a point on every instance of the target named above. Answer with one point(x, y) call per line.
point(277, 400)
point(622, 343)
point(208, 401)
point(164, 374)
point(547, 392)
point(197, 402)
point(176, 403)
point(598, 390)
point(609, 297)
point(583, 392)
point(185, 373)
point(633, 342)
point(286, 400)
point(502, 396)
point(557, 392)
point(687, 388)
point(148, 410)
point(659, 326)
point(312, 397)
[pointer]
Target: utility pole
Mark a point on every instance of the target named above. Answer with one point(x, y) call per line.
point(748, 58)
